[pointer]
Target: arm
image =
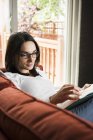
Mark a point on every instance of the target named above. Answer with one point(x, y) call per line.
point(66, 92)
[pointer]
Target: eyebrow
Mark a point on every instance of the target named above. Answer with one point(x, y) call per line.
point(29, 52)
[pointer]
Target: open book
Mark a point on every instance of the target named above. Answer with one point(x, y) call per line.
point(84, 92)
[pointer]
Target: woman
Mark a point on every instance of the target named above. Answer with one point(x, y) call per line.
point(22, 57)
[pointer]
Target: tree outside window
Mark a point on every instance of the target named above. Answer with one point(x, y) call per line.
point(35, 16)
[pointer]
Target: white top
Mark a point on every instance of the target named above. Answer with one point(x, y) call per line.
point(39, 86)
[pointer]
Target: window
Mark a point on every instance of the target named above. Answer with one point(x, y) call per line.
point(58, 36)
point(48, 30)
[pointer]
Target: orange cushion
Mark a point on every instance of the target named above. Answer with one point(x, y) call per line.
point(4, 83)
point(23, 117)
point(2, 136)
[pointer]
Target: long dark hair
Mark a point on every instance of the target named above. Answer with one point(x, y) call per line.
point(13, 48)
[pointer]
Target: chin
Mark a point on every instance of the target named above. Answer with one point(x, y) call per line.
point(30, 68)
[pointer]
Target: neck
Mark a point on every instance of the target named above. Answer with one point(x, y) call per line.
point(23, 73)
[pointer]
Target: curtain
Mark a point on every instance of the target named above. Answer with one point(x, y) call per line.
point(4, 27)
point(4, 16)
point(13, 15)
point(86, 44)
point(72, 41)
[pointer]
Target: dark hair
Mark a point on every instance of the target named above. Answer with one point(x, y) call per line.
point(13, 48)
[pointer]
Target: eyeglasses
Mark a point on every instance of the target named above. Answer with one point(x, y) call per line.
point(27, 55)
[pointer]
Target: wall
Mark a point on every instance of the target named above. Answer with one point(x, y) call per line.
point(86, 43)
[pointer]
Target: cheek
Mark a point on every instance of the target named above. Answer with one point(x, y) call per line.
point(31, 61)
point(34, 60)
point(21, 62)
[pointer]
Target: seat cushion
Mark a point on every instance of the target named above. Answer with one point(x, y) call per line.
point(23, 117)
point(2, 136)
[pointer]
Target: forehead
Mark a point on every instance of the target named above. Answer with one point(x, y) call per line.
point(28, 46)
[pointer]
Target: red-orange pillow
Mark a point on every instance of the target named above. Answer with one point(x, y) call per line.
point(23, 117)
point(4, 83)
point(2, 136)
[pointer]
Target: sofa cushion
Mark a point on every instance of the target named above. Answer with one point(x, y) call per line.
point(2, 136)
point(23, 117)
point(4, 83)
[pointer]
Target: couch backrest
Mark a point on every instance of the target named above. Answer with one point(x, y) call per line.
point(2, 136)
point(23, 117)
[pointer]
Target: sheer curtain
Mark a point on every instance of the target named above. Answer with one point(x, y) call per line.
point(4, 27)
point(4, 16)
point(13, 15)
point(72, 41)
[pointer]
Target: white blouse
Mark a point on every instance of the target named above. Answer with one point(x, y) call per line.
point(39, 86)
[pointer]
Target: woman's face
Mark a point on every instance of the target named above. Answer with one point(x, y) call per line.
point(27, 57)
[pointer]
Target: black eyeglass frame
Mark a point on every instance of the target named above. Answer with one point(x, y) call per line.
point(27, 55)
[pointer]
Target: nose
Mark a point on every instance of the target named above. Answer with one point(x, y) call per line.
point(30, 58)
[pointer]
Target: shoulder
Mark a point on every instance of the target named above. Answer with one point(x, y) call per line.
point(10, 74)
point(13, 76)
point(42, 73)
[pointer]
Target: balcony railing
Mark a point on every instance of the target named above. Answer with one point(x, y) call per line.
point(51, 57)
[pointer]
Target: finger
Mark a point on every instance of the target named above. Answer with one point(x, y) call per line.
point(74, 92)
point(71, 87)
point(66, 85)
point(77, 88)
point(73, 96)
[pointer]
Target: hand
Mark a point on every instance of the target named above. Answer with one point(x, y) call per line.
point(66, 92)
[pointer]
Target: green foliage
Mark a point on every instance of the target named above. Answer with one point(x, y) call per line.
point(33, 14)
point(47, 9)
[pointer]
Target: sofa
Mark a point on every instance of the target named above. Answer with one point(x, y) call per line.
point(23, 117)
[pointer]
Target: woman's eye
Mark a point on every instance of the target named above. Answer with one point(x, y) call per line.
point(34, 53)
point(23, 54)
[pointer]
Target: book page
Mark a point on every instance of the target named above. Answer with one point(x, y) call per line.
point(86, 91)
point(65, 104)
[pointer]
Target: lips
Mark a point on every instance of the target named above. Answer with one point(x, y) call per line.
point(29, 65)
